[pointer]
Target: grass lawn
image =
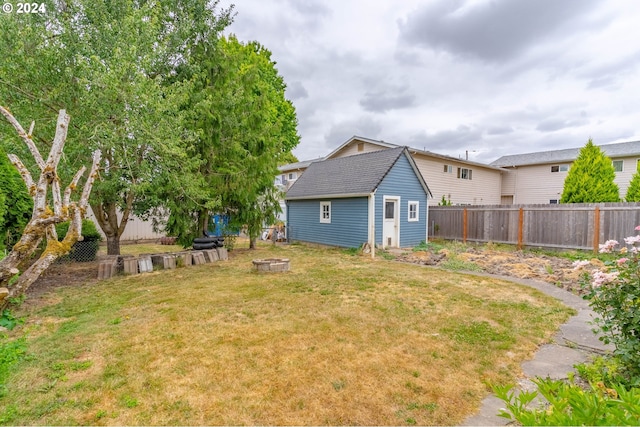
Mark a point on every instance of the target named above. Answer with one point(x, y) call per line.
point(340, 339)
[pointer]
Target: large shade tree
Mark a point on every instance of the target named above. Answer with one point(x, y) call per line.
point(112, 65)
point(245, 127)
point(591, 178)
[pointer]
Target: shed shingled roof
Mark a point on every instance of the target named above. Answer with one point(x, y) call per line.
point(359, 174)
point(623, 149)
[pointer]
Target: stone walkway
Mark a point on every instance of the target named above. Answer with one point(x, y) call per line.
point(573, 344)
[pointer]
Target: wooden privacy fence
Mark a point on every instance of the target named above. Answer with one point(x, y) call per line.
point(571, 226)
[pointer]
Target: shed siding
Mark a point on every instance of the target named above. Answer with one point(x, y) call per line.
point(348, 227)
point(401, 181)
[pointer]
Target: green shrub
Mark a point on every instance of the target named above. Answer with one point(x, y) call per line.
point(569, 404)
point(89, 230)
point(614, 294)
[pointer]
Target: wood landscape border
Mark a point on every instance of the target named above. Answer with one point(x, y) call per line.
point(564, 226)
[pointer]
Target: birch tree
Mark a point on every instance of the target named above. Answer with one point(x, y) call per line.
point(51, 205)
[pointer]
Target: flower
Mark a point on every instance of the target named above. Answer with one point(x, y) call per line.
point(623, 250)
point(608, 246)
point(637, 228)
point(631, 240)
point(601, 278)
point(621, 261)
point(577, 265)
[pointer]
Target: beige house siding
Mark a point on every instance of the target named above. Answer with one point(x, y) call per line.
point(536, 184)
point(533, 184)
point(136, 229)
point(358, 147)
point(623, 179)
point(484, 187)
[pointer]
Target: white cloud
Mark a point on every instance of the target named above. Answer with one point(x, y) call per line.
point(486, 77)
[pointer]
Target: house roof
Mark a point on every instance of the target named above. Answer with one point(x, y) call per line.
point(351, 176)
point(623, 149)
point(384, 144)
point(298, 165)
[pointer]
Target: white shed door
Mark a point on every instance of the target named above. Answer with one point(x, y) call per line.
point(390, 228)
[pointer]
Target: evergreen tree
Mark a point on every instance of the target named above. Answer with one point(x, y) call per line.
point(245, 128)
point(633, 192)
point(591, 178)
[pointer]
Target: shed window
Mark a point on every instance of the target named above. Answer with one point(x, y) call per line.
point(325, 212)
point(413, 211)
point(559, 168)
point(448, 169)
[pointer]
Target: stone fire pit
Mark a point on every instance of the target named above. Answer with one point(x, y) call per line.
point(277, 265)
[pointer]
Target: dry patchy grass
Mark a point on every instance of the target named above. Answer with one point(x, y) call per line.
point(341, 339)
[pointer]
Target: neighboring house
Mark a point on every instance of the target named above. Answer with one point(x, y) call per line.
point(539, 177)
point(288, 174)
point(460, 181)
point(379, 198)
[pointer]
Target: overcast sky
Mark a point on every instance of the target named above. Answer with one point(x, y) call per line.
point(487, 77)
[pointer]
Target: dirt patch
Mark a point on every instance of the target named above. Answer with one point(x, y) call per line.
point(523, 265)
point(64, 274)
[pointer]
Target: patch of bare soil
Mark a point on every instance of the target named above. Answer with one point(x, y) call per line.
point(64, 273)
point(523, 265)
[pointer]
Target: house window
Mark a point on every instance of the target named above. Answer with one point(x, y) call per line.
point(553, 201)
point(413, 211)
point(617, 165)
point(464, 173)
point(559, 168)
point(448, 169)
point(360, 146)
point(292, 176)
point(325, 212)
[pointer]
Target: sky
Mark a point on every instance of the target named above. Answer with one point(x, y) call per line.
point(476, 78)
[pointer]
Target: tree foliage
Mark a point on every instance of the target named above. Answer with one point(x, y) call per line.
point(111, 65)
point(245, 126)
point(590, 178)
point(15, 203)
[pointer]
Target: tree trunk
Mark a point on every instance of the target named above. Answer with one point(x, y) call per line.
point(252, 243)
point(113, 245)
point(203, 222)
point(107, 217)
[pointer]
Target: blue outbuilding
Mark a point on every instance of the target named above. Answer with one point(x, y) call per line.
point(379, 198)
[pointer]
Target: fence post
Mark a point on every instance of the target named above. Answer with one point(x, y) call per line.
point(464, 225)
point(596, 229)
point(520, 227)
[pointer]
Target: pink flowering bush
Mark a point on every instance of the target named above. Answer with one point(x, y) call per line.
point(614, 294)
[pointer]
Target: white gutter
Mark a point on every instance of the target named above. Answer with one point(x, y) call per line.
point(372, 223)
point(329, 196)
